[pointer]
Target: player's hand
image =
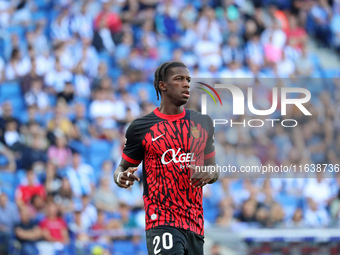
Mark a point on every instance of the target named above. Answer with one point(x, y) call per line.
point(200, 178)
point(127, 178)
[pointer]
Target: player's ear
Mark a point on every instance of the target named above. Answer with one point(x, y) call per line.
point(162, 86)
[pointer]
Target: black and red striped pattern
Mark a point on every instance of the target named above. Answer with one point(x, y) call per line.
point(168, 197)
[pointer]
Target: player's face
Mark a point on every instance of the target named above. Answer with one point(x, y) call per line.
point(178, 85)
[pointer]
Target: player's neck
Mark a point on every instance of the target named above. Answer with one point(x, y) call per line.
point(170, 109)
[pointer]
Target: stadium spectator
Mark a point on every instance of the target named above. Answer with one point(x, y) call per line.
point(304, 66)
point(59, 154)
point(335, 208)
point(225, 219)
point(81, 82)
point(321, 14)
point(296, 33)
point(64, 197)
point(81, 23)
point(7, 114)
point(9, 216)
point(60, 31)
point(101, 224)
point(336, 30)
point(248, 212)
point(232, 51)
point(88, 212)
point(254, 52)
point(208, 53)
point(276, 216)
point(316, 215)
point(125, 216)
point(324, 195)
point(110, 19)
point(36, 96)
point(77, 227)
point(104, 198)
point(80, 176)
point(102, 107)
point(82, 125)
point(27, 232)
point(54, 229)
point(17, 66)
point(297, 221)
point(8, 162)
point(36, 208)
point(11, 137)
point(285, 68)
point(56, 78)
point(28, 189)
point(53, 180)
point(67, 94)
point(215, 249)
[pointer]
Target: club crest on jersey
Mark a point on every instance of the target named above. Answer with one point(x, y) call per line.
point(195, 132)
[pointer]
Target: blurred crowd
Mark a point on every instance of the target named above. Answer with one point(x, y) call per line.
point(74, 74)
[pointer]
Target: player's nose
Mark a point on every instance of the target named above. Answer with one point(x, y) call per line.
point(187, 84)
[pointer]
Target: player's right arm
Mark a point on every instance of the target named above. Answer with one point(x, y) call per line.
point(124, 175)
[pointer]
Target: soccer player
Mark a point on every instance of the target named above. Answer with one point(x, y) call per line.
point(172, 142)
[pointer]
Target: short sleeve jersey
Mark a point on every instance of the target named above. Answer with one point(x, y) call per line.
point(167, 145)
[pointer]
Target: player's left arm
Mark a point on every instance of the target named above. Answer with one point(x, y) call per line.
point(214, 174)
point(203, 175)
point(207, 174)
point(209, 153)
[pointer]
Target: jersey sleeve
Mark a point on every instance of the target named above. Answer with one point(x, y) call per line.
point(209, 150)
point(133, 149)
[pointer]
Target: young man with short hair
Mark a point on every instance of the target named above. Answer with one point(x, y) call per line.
point(169, 141)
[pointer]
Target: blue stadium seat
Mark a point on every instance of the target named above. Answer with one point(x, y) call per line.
point(7, 183)
point(10, 89)
point(19, 30)
point(210, 211)
point(7, 177)
point(114, 72)
point(105, 57)
point(19, 176)
point(78, 146)
point(289, 204)
point(18, 106)
point(41, 4)
point(99, 151)
point(331, 73)
point(3, 160)
point(123, 247)
point(142, 248)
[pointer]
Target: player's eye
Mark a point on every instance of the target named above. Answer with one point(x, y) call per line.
point(188, 80)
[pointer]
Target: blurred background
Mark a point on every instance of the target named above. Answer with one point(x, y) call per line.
point(74, 74)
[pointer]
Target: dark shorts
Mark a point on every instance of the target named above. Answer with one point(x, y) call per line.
point(165, 240)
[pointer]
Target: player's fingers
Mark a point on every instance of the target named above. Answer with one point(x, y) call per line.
point(130, 171)
point(126, 183)
point(202, 182)
point(130, 178)
point(196, 181)
point(197, 176)
point(205, 182)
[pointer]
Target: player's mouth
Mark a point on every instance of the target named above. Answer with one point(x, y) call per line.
point(186, 93)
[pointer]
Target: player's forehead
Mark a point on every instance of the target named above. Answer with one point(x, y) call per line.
point(179, 71)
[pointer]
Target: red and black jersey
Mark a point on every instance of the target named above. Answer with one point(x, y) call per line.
point(167, 145)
